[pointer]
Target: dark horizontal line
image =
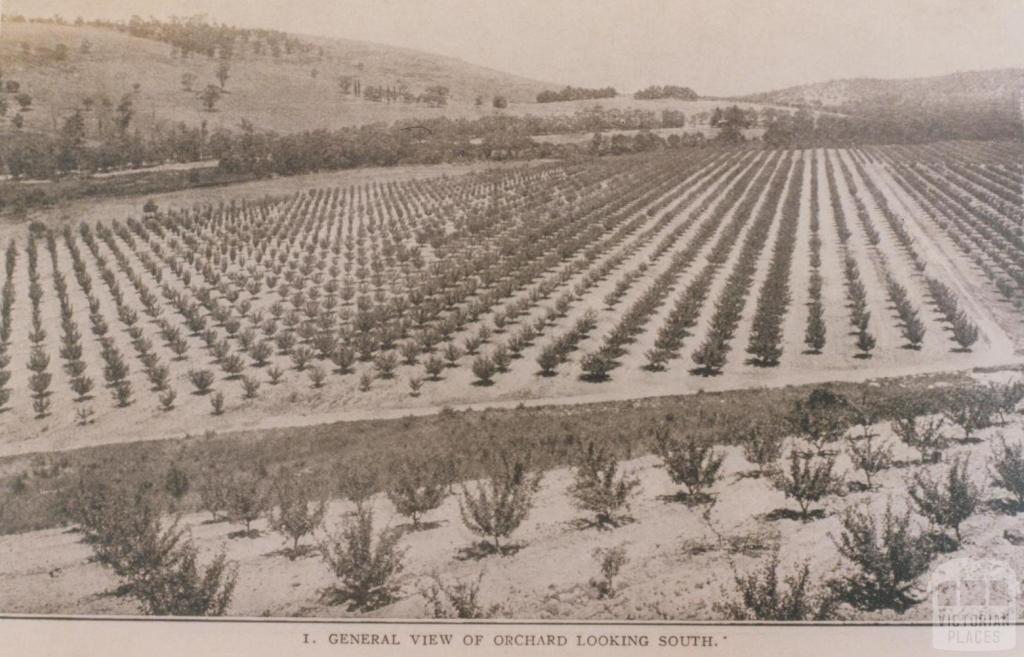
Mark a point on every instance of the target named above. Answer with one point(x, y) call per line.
point(478, 623)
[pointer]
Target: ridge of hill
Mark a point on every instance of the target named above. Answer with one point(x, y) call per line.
point(286, 93)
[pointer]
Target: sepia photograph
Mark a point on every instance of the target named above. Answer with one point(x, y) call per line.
point(537, 325)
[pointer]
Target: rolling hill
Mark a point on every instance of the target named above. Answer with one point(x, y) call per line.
point(283, 94)
point(964, 88)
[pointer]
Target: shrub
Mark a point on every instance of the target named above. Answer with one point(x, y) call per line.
point(458, 600)
point(762, 597)
point(245, 499)
point(965, 332)
point(451, 353)
point(176, 483)
point(946, 503)
point(317, 376)
point(433, 366)
point(1008, 469)
point(367, 569)
point(611, 561)
point(251, 387)
point(212, 488)
point(41, 405)
point(201, 380)
point(808, 480)
point(156, 568)
point(123, 392)
point(869, 456)
point(385, 364)
point(296, 511)
point(415, 384)
point(822, 418)
point(275, 374)
point(815, 334)
point(596, 366)
point(762, 447)
point(866, 342)
point(971, 409)
point(356, 482)
point(1006, 397)
point(691, 461)
point(548, 359)
point(301, 356)
point(417, 486)
point(261, 352)
point(167, 398)
point(501, 358)
point(343, 359)
point(924, 435)
point(483, 369)
point(496, 508)
point(217, 402)
point(365, 381)
point(888, 558)
point(598, 487)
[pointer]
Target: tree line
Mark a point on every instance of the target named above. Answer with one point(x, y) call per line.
point(575, 93)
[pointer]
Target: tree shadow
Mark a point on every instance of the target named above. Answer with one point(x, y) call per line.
point(1006, 505)
point(600, 524)
point(689, 499)
point(792, 514)
point(410, 528)
point(301, 552)
point(484, 549)
point(750, 474)
point(242, 533)
point(941, 542)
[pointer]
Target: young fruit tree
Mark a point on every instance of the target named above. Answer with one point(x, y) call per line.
point(1007, 468)
point(821, 419)
point(297, 511)
point(600, 489)
point(690, 461)
point(920, 433)
point(367, 567)
point(765, 596)
point(496, 507)
point(417, 487)
point(888, 557)
point(809, 479)
point(949, 501)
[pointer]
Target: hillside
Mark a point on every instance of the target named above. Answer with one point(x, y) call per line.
point(973, 87)
point(282, 94)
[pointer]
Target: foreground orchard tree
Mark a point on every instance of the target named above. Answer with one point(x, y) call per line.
point(888, 556)
point(690, 461)
point(600, 489)
point(765, 596)
point(495, 508)
point(297, 511)
point(948, 501)
point(156, 566)
point(809, 479)
point(417, 487)
point(367, 569)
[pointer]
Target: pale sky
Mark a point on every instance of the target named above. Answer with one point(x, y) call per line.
point(718, 47)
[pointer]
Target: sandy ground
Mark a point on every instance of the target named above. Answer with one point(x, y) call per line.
point(681, 562)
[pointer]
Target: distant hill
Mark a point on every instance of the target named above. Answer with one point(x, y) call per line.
point(960, 89)
point(288, 93)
